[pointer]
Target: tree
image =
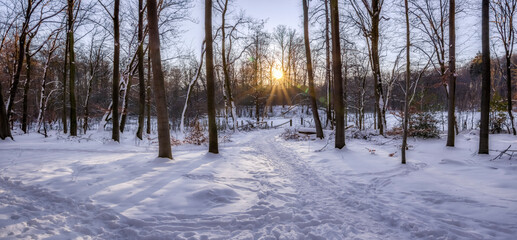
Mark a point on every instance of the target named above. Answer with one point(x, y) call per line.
point(368, 21)
point(451, 120)
point(312, 92)
point(504, 12)
point(338, 77)
point(327, 66)
point(141, 79)
point(29, 10)
point(164, 140)
point(408, 78)
point(71, 55)
point(115, 131)
point(485, 85)
point(210, 81)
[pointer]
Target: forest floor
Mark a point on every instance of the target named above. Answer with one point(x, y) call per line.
point(260, 186)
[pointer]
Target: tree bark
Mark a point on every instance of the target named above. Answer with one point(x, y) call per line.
point(339, 110)
point(5, 131)
point(210, 81)
point(328, 67)
point(452, 75)
point(379, 95)
point(148, 95)
point(408, 78)
point(509, 90)
point(73, 105)
point(26, 86)
point(164, 140)
point(65, 76)
point(141, 79)
point(312, 92)
point(485, 84)
point(115, 131)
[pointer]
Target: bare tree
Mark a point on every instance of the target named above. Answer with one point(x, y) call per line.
point(71, 55)
point(94, 60)
point(164, 140)
point(485, 87)
point(368, 21)
point(52, 47)
point(141, 79)
point(452, 74)
point(312, 92)
point(408, 78)
point(210, 81)
point(115, 134)
point(338, 77)
point(504, 12)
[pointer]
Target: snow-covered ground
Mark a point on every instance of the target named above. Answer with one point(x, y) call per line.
point(259, 187)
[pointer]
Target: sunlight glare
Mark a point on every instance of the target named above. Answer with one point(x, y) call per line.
point(277, 73)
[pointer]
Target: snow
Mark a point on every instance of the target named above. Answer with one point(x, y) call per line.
point(259, 187)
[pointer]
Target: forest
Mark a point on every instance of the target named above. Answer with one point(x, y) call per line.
point(301, 120)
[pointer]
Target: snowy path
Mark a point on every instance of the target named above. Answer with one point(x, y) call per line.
point(259, 187)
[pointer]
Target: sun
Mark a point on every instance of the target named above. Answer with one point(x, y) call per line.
point(277, 73)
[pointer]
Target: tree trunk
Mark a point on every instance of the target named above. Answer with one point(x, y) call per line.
point(141, 79)
point(65, 77)
point(509, 90)
point(339, 110)
point(73, 109)
point(125, 102)
point(227, 87)
point(327, 66)
point(452, 75)
point(5, 131)
point(408, 77)
point(26, 86)
point(148, 95)
point(485, 84)
point(88, 94)
point(379, 95)
point(312, 92)
point(210, 81)
point(164, 139)
point(43, 94)
point(115, 131)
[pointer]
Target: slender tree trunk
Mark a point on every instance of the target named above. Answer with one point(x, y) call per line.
point(43, 94)
point(339, 110)
point(65, 77)
point(509, 90)
point(26, 86)
point(87, 101)
point(452, 75)
point(408, 78)
point(73, 105)
point(227, 86)
point(5, 131)
point(125, 102)
point(485, 84)
point(312, 92)
point(328, 67)
point(379, 95)
point(210, 81)
point(115, 132)
point(148, 95)
point(164, 139)
point(141, 79)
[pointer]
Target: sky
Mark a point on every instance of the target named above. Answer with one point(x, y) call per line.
point(289, 13)
point(277, 12)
